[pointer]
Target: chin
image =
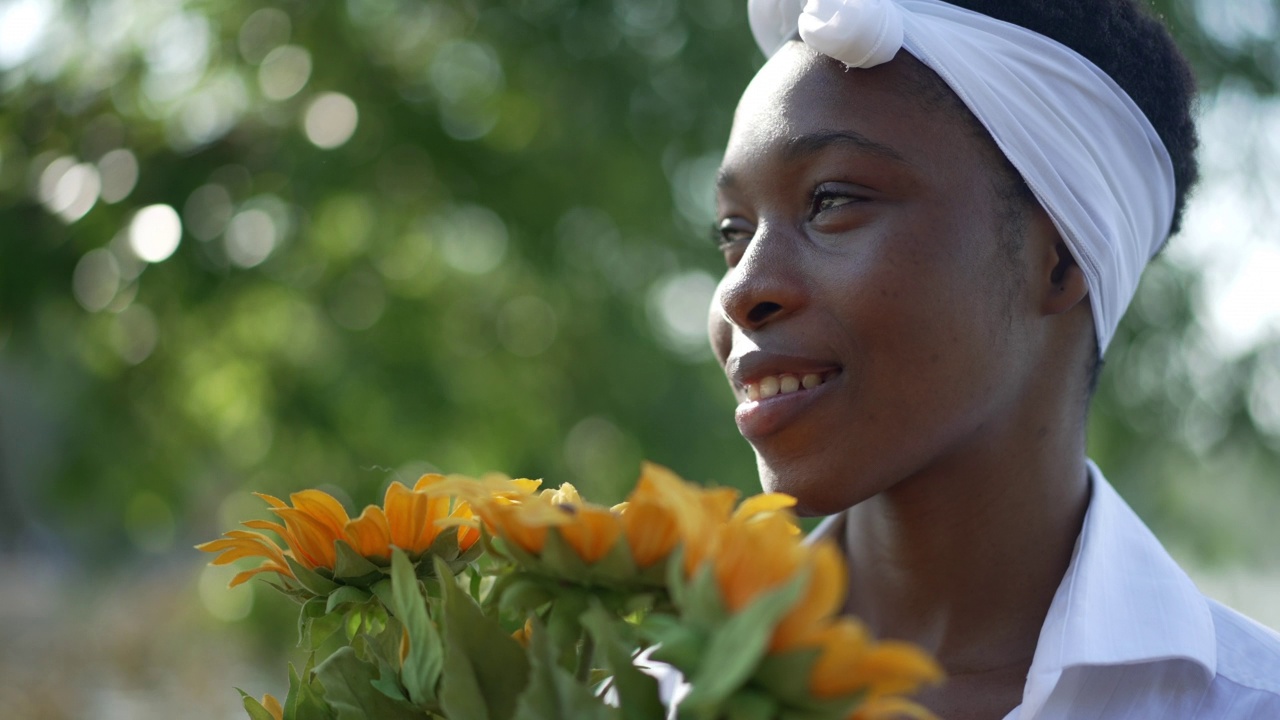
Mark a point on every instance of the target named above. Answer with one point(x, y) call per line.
point(817, 492)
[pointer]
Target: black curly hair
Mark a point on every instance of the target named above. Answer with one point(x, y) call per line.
point(1131, 45)
point(1128, 43)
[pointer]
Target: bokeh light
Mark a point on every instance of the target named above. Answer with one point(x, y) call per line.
point(263, 31)
point(23, 24)
point(207, 211)
point(473, 239)
point(251, 236)
point(118, 170)
point(155, 232)
point(284, 72)
point(678, 306)
point(330, 120)
point(96, 280)
point(69, 189)
point(527, 326)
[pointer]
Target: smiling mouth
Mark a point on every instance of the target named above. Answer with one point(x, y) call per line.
point(785, 384)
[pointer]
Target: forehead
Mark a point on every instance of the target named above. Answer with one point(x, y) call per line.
point(801, 93)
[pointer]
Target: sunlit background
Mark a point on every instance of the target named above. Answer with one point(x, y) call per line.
point(255, 246)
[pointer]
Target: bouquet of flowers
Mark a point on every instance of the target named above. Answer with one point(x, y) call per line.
point(487, 599)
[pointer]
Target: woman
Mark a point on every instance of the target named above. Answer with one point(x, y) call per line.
point(918, 293)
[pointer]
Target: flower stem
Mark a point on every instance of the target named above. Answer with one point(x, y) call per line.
point(586, 654)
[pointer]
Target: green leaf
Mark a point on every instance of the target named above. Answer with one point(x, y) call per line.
point(637, 692)
point(737, 645)
point(310, 579)
point(388, 682)
point(787, 674)
point(306, 700)
point(351, 565)
point(349, 688)
point(307, 614)
point(564, 624)
point(553, 693)
point(560, 559)
point(344, 595)
point(316, 624)
point(520, 593)
point(680, 644)
point(322, 628)
point(701, 603)
point(484, 669)
point(253, 707)
point(752, 705)
point(445, 547)
point(420, 671)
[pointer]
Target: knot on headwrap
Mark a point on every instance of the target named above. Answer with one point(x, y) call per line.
point(1090, 156)
point(858, 33)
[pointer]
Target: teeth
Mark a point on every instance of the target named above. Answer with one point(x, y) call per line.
point(767, 387)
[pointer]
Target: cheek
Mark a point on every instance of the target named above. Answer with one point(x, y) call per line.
point(718, 330)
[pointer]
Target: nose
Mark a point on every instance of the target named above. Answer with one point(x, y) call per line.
point(767, 284)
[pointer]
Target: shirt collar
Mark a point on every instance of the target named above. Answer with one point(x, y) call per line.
point(1123, 600)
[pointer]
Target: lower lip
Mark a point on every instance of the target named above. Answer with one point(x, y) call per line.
point(760, 418)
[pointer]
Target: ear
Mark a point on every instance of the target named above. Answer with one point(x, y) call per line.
point(1061, 280)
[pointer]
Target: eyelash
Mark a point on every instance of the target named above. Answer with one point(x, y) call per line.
point(820, 194)
point(719, 235)
point(719, 232)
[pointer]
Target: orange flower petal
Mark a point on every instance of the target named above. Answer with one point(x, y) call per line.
point(412, 515)
point(271, 500)
point(427, 481)
point(892, 708)
point(844, 642)
point(592, 532)
point(370, 534)
point(282, 570)
point(312, 538)
point(238, 544)
point(276, 528)
point(893, 668)
point(468, 526)
point(272, 706)
point(651, 529)
point(763, 503)
point(754, 558)
point(825, 592)
point(323, 507)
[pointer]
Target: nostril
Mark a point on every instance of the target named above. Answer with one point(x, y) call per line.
point(762, 311)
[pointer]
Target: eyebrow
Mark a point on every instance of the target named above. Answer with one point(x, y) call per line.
point(813, 143)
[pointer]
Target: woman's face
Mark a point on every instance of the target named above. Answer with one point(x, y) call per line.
point(869, 263)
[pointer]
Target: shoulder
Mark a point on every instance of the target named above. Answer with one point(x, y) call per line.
point(1244, 683)
point(1248, 655)
point(1245, 679)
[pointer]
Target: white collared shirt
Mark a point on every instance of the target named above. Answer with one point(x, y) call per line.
point(1129, 636)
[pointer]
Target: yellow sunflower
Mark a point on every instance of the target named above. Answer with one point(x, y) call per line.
point(311, 527)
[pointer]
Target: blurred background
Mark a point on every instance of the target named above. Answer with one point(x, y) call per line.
point(269, 246)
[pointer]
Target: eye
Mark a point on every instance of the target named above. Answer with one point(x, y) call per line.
point(730, 231)
point(828, 198)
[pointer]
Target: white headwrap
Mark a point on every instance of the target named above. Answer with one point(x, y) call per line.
point(1084, 148)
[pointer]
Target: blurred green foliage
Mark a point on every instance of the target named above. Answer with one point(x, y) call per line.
point(502, 268)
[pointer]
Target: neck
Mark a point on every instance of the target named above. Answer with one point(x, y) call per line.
point(964, 558)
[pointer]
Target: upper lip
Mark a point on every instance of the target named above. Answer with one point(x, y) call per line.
point(753, 365)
